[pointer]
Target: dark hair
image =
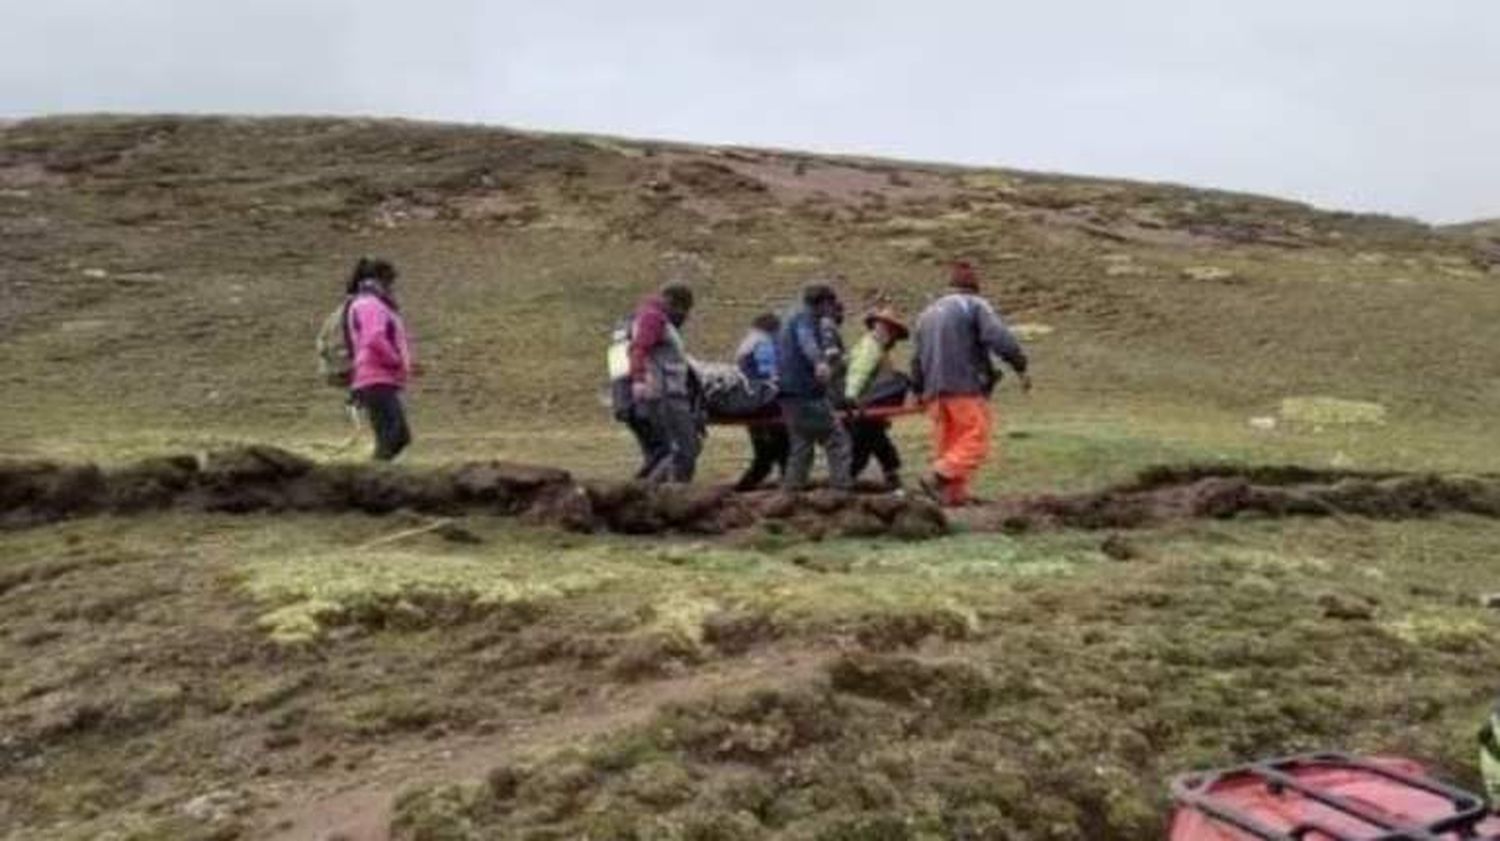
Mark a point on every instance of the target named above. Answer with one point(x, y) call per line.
point(370, 268)
point(770, 322)
point(678, 295)
point(814, 294)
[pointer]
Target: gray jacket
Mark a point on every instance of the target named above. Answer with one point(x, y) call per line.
point(953, 345)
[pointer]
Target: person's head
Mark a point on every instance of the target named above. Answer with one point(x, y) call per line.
point(375, 270)
point(964, 276)
point(821, 300)
point(679, 300)
point(886, 326)
point(767, 322)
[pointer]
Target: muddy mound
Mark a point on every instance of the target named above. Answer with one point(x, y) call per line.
point(1164, 494)
point(257, 479)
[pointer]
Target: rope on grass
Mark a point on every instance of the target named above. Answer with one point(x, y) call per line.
point(406, 534)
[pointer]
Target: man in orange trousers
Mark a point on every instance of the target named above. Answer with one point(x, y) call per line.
point(953, 373)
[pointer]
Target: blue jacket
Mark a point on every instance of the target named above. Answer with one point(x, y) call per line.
point(756, 356)
point(799, 349)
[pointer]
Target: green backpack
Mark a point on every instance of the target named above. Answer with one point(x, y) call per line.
point(335, 351)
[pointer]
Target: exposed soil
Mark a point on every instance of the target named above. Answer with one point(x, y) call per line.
point(1165, 494)
point(253, 479)
point(359, 808)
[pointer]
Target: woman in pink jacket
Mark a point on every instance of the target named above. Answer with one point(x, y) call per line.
point(382, 356)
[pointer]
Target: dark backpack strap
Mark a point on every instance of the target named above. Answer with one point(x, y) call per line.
point(348, 328)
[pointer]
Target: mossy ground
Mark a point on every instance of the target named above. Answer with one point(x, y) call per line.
point(977, 684)
point(178, 676)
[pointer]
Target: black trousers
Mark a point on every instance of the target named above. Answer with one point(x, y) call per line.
point(387, 418)
point(873, 438)
point(769, 446)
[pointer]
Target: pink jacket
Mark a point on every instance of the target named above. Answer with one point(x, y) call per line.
point(378, 337)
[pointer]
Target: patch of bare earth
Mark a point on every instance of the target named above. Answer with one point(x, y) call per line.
point(359, 807)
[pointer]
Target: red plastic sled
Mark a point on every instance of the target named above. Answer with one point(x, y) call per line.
point(1326, 797)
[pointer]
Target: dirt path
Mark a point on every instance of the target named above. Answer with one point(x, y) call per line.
point(358, 808)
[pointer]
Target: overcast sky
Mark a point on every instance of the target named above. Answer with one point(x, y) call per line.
point(1388, 105)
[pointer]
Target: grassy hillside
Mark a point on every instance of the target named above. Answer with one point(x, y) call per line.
point(164, 277)
point(181, 674)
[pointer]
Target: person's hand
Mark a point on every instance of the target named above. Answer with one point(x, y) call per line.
point(640, 391)
point(824, 372)
point(1025, 382)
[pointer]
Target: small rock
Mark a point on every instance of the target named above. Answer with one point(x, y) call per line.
point(1027, 332)
point(95, 274)
point(1345, 608)
point(454, 533)
point(1117, 548)
point(1263, 424)
point(213, 807)
point(1490, 600)
point(1209, 274)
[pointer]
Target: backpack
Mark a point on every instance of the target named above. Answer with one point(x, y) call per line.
point(335, 351)
point(617, 360)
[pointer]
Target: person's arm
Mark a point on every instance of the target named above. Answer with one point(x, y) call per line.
point(917, 375)
point(805, 338)
point(998, 339)
point(862, 365)
point(401, 339)
point(764, 357)
point(649, 331)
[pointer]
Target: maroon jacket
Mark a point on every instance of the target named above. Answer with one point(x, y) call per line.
point(656, 354)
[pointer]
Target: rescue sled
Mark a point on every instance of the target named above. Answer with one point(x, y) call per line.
point(1326, 797)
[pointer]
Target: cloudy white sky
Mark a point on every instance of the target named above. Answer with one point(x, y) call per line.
point(1386, 105)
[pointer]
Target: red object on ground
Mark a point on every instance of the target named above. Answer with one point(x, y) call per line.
point(1326, 797)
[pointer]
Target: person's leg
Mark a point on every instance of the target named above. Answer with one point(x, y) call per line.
point(383, 409)
point(860, 446)
point(672, 420)
point(648, 439)
point(401, 435)
point(886, 453)
point(939, 480)
point(973, 423)
point(687, 442)
point(838, 448)
point(800, 438)
point(826, 429)
point(780, 445)
point(763, 458)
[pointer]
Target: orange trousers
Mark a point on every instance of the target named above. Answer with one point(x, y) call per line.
point(961, 429)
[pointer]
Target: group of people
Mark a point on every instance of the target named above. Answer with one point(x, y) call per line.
point(820, 395)
point(825, 396)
